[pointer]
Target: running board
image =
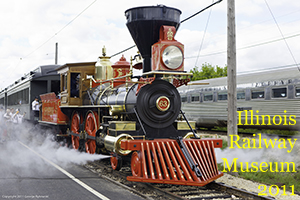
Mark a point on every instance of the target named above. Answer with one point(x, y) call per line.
point(169, 161)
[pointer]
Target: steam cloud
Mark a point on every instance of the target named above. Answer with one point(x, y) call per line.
point(18, 161)
point(261, 155)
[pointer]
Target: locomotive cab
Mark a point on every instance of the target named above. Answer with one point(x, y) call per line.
point(73, 84)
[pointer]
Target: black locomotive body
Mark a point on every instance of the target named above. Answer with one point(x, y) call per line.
point(126, 103)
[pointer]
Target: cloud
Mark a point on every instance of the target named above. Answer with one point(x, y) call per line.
point(31, 28)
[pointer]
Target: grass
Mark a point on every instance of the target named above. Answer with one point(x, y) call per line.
point(224, 144)
point(272, 178)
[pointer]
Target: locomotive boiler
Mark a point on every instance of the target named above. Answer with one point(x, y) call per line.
point(136, 119)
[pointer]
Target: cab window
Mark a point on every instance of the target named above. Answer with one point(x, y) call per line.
point(75, 78)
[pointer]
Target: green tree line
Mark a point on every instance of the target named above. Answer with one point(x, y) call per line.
point(208, 71)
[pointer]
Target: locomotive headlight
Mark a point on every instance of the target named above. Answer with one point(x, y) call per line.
point(172, 57)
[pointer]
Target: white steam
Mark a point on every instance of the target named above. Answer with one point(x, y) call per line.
point(261, 155)
point(17, 160)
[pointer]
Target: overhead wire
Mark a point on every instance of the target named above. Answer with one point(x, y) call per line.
point(282, 35)
point(200, 11)
point(246, 47)
point(201, 44)
point(250, 46)
point(178, 23)
point(267, 20)
point(221, 52)
point(254, 43)
point(123, 51)
point(61, 29)
point(53, 35)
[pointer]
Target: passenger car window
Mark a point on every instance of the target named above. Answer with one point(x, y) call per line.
point(195, 98)
point(279, 92)
point(297, 91)
point(208, 97)
point(240, 95)
point(222, 96)
point(257, 94)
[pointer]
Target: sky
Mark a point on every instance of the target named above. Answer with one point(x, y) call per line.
point(30, 29)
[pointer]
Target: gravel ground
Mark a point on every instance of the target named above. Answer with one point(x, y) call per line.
point(253, 186)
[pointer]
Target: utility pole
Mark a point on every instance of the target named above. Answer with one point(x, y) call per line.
point(231, 71)
point(56, 52)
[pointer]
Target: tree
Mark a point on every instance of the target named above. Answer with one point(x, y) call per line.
point(208, 71)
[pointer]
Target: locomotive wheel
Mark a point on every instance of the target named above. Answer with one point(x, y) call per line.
point(116, 162)
point(91, 127)
point(136, 165)
point(75, 129)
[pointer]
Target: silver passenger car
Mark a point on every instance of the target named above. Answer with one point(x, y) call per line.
point(265, 100)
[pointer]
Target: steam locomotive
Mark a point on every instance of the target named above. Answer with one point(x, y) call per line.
point(103, 108)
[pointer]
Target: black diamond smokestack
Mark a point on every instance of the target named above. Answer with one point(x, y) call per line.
point(144, 24)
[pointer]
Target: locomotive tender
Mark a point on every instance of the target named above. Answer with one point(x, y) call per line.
point(103, 109)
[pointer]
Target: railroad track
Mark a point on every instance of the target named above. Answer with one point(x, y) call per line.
point(213, 190)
